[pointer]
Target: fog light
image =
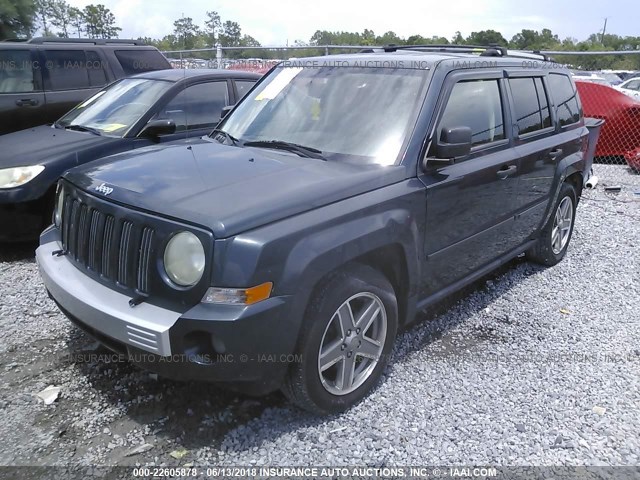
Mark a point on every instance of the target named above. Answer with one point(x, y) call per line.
point(238, 296)
point(202, 347)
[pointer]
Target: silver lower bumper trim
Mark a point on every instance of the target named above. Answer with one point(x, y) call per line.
point(144, 326)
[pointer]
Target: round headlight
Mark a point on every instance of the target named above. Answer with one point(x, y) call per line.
point(57, 214)
point(184, 259)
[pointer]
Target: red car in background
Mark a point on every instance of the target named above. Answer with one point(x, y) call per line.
point(620, 134)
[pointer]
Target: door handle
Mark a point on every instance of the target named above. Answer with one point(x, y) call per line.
point(27, 102)
point(556, 152)
point(505, 171)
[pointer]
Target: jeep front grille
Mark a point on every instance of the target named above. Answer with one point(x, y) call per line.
point(117, 249)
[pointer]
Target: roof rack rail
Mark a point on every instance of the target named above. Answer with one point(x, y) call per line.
point(92, 41)
point(491, 50)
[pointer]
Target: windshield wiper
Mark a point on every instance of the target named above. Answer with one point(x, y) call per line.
point(234, 141)
point(301, 150)
point(82, 128)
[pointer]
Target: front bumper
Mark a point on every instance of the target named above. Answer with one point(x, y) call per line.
point(107, 311)
point(221, 343)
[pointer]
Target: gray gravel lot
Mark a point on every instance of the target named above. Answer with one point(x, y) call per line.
point(506, 373)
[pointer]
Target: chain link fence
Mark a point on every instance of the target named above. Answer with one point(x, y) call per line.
point(608, 91)
point(600, 79)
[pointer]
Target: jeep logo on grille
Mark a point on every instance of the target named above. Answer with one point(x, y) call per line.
point(104, 189)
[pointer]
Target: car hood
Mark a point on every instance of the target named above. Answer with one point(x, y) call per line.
point(44, 145)
point(227, 189)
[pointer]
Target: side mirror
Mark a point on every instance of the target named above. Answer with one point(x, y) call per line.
point(155, 128)
point(454, 142)
point(225, 111)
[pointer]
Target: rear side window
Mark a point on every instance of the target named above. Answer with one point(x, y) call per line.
point(475, 104)
point(197, 106)
point(566, 99)
point(16, 71)
point(66, 69)
point(530, 104)
point(138, 61)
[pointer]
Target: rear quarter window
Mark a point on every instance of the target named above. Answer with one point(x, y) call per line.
point(566, 99)
point(139, 61)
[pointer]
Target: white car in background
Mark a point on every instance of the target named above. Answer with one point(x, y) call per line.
point(590, 77)
point(630, 87)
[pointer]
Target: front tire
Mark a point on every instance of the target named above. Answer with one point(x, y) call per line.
point(347, 337)
point(554, 239)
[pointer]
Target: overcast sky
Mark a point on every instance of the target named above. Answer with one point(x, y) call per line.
point(278, 21)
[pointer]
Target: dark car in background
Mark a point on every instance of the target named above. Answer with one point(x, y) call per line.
point(147, 109)
point(43, 78)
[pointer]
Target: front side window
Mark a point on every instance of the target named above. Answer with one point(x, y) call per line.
point(530, 104)
point(356, 114)
point(566, 99)
point(634, 85)
point(66, 69)
point(475, 104)
point(16, 71)
point(197, 106)
point(114, 110)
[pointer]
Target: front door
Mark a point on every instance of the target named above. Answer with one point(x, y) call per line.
point(470, 203)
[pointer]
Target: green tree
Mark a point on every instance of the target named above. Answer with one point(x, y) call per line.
point(486, 37)
point(76, 20)
point(368, 37)
point(420, 40)
point(458, 39)
point(99, 22)
point(231, 34)
point(43, 14)
point(249, 41)
point(533, 40)
point(213, 27)
point(186, 32)
point(389, 38)
point(17, 18)
point(61, 17)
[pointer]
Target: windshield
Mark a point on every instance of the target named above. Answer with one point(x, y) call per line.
point(115, 109)
point(346, 113)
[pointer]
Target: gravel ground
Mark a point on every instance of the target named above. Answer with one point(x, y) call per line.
point(532, 366)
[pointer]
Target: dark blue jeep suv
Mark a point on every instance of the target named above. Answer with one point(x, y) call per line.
point(339, 197)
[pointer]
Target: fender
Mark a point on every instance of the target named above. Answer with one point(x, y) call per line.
point(298, 252)
point(570, 164)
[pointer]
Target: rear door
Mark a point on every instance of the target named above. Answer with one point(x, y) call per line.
point(67, 80)
point(22, 102)
point(470, 204)
point(536, 146)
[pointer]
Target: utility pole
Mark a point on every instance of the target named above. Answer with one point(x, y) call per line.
point(604, 30)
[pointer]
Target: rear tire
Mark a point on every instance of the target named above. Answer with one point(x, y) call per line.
point(347, 337)
point(554, 239)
